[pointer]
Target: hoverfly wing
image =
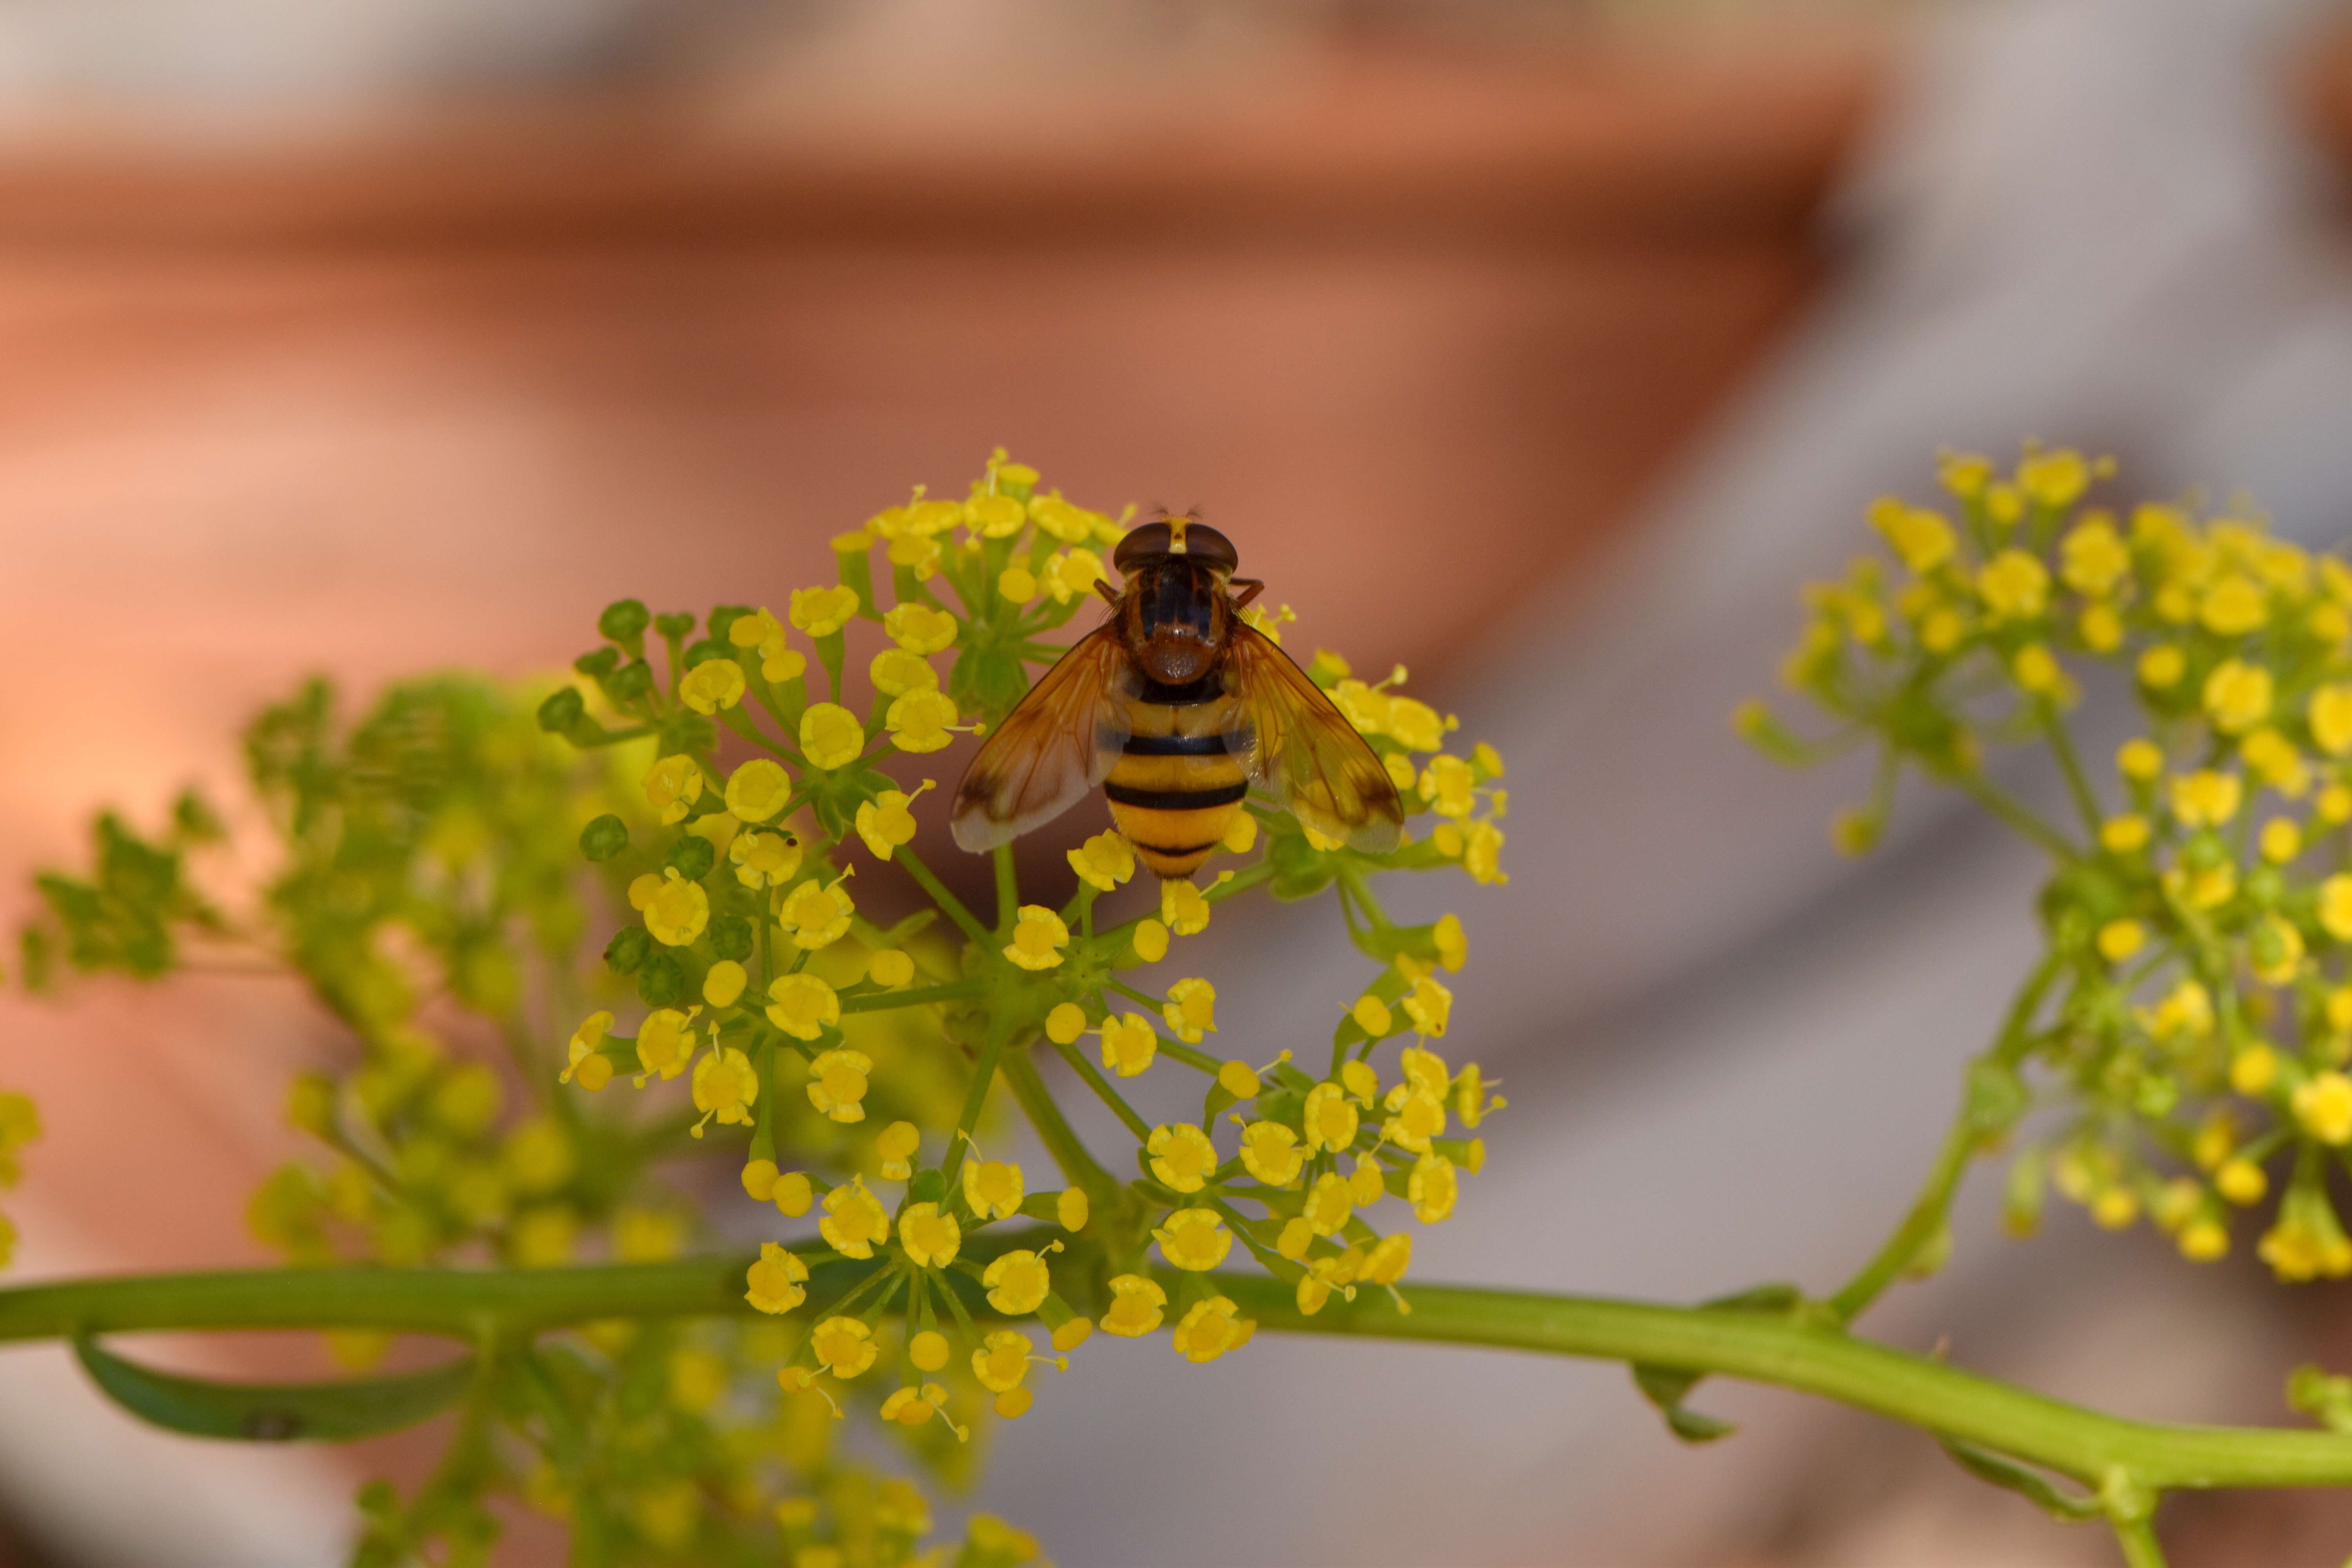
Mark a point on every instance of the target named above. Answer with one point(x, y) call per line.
point(1306, 752)
point(1057, 744)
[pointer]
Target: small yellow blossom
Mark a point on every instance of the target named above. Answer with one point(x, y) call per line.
point(1071, 1210)
point(803, 1005)
point(2094, 558)
point(672, 785)
point(844, 1346)
point(1331, 1119)
point(2322, 1104)
point(2101, 629)
point(2014, 585)
point(2139, 759)
point(1429, 1004)
point(1241, 834)
point(895, 672)
point(1359, 1080)
point(1182, 1158)
point(1003, 1360)
point(724, 983)
point(2241, 1182)
point(838, 1081)
point(920, 630)
point(1103, 861)
point(831, 736)
point(1432, 1188)
point(1921, 537)
point(1072, 573)
point(2124, 835)
point(1150, 941)
point(1038, 938)
point(1137, 1305)
point(1453, 943)
point(793, 1194)
point(765, 860)
point(2234, 607)
point(821, 612)
point(2275, 950)
point(2206, 798)
point(930, 1237)
point(1330, 1203)
point(713, 684)
point(1240, 1080)
point(1190, 1010)
point(2274, 758)
point(920, 721)
point(2253, 1069)
point(1472, 1101)
point(898, 1145)
point(1182, 908)
point(1017, 585)
point(2282, 841)
point(885, 823)
point(816, 915)
point(1017, 1282)
point(1210, 1329)
point(2118, 939)
point(1193, 1239)
point(1065, 1023)
point(1271, 1154)
point(725, 1087)
point(890, 968)
point(760, 630)
point(2334, 805)
point(1387, 1261)
point(2335, 907)
point(2237, 696)
point(2331, 718)
point(993, 1189)
point(585, 1061)
point(665, 1042)
point(1129, 1044)
point(853, 1220)
point(2161, 666)
point(775, 1280)
point(2036, 670)
point(677, 911)
point(1371, 1016)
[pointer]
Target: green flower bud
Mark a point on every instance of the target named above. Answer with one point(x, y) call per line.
point(623, 621)
point(704, 651)
point(632, 681)
point(723, 619)
point(674, 624)
point(598, 664)
point(693, 857)
point(730, 937)
point(563, 709)
point(661, 982)
point(628, 949)
point(604, 838)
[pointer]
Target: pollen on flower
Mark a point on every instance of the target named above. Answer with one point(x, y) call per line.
point(1137, 1306)
point(725, 1087)
point(1129, 1044)
point(1190, 1010)
point(586, 1049)
point(853, 1220)
point(921, 720)
point(1017, 1282)
point(803, 1005)
point(930, 1237)
point(1210, 1328)
point(765, 859)
point(1182, 908)
point(1432, 1188)
point(665, 1042)
point(672, 785)
point(1103, 861)
point(1003, 1360)
point(775, 1280)
point(838, 1081)
point(1194, 1240)
point(920, 630)
point(895, 672)
point(713, 684)
point(1038, 938)
point(831, 736)
point(677, 911)
point(1270, 1152)
point(1181, 1156)
point(1331, 1117)
point(844, 1346)
point(821, 612)
point(993, 1189)
point(885, 821)
point(898, 1145)
point(816, 915)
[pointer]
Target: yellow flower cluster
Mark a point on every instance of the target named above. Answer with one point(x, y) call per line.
point(2195, 1008)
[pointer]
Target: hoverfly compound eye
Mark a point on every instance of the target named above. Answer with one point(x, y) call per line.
point(1140, 545)
point(1206, 545)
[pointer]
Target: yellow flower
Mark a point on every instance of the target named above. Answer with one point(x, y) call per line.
point(1065, 1023)
point(585, 1061)
point(1183, 1157)
point(993, 1189)
point(775, 1280)
point(853, 1220)
point(2241, 1182)
point(2139, 759)
point(1481, 850)
point(2273, 757)
point(2206, 798)
point(2234, 607)
point(725, 1086)
point(920, 720)
point(1210, 1329)
point(1003, 1360)
point(1129, 1044)
point(1151, 941)
point(1190, 1010)
point(1432, 1188)
point(2331, 718)
point(1072, 573)
point(713, 684)
point(1453, 943)
point(2101, 629)
point(765, 860)
point(838, 1081)
point(885, 822)
point(1240, 1080)
point(724, 983)
point(932, 1238)
point(2014, 584)
point(1331, 1119)
point(1072, 1209)
point(995, 517)
point(1017, 1282)
point(831, 736)
point(1964, 474)
point(803, 1005)
point(2036, 670)
point(920, 630)
point(1941, 632)
point(1387, 1261)
point(677, 911)
point(2253, 1069)
point(1103, 861)
point(897, 1145)
point(1241, 834)
point(2334, 805)
point(758, 790)
point(2237, 696)
point(821, 612)
point(1136, 1306)
point(1472, 1103)
point(2056, 478)
point(890, 968)
point(1017, 584)
point(1371, 1016)
point(2118, 939)
point(2123, 835)
point(760, 630)
point(1922, 538)
point(2275, 950)
point(2162, 667)
point(2322, 1104)
point(844, 1346)
point(1193, 1239)
point(672, 785)
point(816, 916)
point(1428, 1004)
point(1182, 908)
point(895, 672)
point(2094, 558)
point(1070, 524)
point(2335, 907)
point(2282, 841)
point(1330, 1203)
point(1270, 1153)
point(665, 1042)
point(1038, 938)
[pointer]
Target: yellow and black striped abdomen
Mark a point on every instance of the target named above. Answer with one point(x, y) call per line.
point(1180, 778)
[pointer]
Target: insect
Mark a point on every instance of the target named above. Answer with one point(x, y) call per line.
point(1175, 705)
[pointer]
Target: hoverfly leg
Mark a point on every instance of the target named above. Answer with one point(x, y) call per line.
point(1110, 593)
point(1250, 589)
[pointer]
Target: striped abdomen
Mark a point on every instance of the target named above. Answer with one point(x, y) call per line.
point(1182, 775)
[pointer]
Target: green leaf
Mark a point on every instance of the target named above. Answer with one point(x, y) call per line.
point(2031, 1485)
point(1665, 1388)
point(274, 1413)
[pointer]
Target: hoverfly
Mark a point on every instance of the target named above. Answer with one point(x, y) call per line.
point(1174, 705)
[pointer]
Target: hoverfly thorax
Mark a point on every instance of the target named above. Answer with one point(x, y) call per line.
point(1175, 610)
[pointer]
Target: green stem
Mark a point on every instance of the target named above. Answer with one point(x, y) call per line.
point(1103, 1090)
point(2137, 1538)
point(921, 995)
point(905, 856)
point(2078, 783)
point(2084, 1445)
point(1008, 891)
point(983, 1073)
point(1054, 1129)
point(2015, 813)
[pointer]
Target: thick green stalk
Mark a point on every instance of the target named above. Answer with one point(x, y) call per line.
point(1921, 1392)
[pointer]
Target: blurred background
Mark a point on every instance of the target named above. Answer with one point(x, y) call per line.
point(1543, 346)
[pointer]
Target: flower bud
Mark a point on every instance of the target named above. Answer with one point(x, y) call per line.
point(604, 838)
